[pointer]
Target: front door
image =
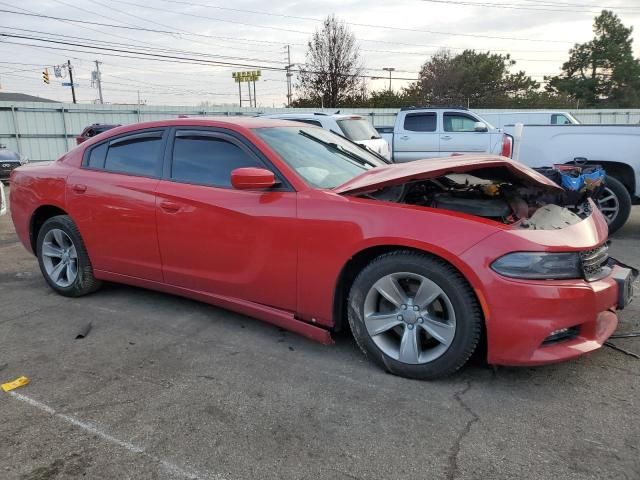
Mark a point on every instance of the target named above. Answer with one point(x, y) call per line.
point(459, 135)
point(219, 240)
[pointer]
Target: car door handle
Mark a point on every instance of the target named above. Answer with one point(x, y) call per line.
point(445, 137)
point(169, 207)
point(79, 188)
point(404, 137)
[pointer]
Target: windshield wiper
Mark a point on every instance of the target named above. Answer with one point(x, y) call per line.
point(364, 147)
point(337, 148)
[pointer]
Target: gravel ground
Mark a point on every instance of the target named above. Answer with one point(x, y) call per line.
point(167, 388)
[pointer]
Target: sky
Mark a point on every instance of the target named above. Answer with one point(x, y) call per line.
point(203, 41)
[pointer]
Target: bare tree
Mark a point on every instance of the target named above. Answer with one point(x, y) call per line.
point(332, 69)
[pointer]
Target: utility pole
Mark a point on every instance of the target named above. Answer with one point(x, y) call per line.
point(289, 75)
point(255, 98)
point(99, 80)
point(389, 69)
point(73, 88)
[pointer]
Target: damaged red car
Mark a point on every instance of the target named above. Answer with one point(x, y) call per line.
point(423, 261)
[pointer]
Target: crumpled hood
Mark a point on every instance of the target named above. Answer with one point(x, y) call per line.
point(398, 173)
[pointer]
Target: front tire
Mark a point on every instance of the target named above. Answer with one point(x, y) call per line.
point(414, 315)
point(63, 258)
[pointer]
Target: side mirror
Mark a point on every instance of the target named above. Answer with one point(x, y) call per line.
point(251, 178)
point(480, 127)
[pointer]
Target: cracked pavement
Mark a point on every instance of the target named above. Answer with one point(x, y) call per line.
point(168, 388)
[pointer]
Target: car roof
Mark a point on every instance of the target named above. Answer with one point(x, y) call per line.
point(524, 112)
point(314, 115)
point(229, 122)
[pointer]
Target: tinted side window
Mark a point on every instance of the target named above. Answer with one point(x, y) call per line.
point(420, 122)
point(457, 122)
point(208, 160)
point(138, 156)
point(97, 156)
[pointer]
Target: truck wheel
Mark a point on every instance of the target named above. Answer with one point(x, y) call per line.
point(615, 203)
point(63, 258)
point(414, 315)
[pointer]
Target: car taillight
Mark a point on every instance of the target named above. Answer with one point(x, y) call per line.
point(507, 145)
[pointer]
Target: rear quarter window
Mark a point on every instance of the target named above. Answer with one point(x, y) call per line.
point(138, 156)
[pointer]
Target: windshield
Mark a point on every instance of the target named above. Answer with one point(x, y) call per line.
point(358, 129)
point(322, 159)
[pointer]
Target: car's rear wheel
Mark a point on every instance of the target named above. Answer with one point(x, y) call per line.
point(63, 258)
point(414, 315)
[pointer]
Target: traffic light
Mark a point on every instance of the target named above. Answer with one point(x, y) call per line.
point(45, 76)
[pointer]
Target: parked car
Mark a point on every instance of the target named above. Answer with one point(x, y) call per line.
point(355, 127)
point(299, 227)
point(529, 117)
point(9, 160)
point(93, 130)
point(438, 132)
point(615, 147)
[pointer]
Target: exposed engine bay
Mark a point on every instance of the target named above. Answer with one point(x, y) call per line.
point(497, 194)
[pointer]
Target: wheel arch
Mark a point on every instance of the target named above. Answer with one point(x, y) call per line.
point(39, 216)
point(363, 257)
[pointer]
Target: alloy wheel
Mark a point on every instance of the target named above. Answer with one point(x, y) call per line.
point(409, 317)
point(60, 258)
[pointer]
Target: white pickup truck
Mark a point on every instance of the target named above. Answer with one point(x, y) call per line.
point(615, 147)
point(440, 132)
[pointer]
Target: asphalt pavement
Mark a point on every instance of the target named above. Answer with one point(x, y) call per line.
point(167, 388)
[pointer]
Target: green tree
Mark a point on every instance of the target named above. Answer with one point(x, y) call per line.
point(481, 79)
point(332, 70)
point(602, 72)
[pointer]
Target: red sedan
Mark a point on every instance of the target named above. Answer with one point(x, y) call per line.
point(299, 227)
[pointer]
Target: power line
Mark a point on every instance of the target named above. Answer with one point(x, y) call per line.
point(515, 6)
point(153, 48)
point(431, 32)
point(143, 29)
point(158, 57)
point(239, 39)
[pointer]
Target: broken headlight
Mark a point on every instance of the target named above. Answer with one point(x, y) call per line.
point(539, 265)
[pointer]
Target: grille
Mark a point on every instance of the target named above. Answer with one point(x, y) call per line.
point(594, 262)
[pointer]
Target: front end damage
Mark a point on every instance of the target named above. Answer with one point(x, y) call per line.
point(557, 296)
point(493, 193)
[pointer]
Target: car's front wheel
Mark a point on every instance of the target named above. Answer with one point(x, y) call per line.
point(63, 258)
point(414, 315)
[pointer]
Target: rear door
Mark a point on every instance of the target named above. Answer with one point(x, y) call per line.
point(216, 239)
point(459, 135)
point(416, 136)
point(112, 199)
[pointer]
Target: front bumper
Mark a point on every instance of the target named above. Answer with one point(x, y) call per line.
point(6, 168)
point(521, 314)
point(525, 314)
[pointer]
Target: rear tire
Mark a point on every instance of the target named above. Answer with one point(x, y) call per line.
point(63, 258)
point(414, 315)
point(615, 204)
